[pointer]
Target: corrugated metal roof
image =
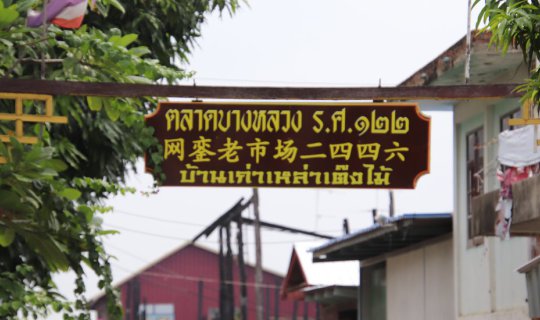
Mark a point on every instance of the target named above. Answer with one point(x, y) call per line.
point(396, 233)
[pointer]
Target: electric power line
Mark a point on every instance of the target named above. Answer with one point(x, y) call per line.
point(176, 275)
point(160, 219)
point(168, 237)
point(147, 233)
point(142, 216)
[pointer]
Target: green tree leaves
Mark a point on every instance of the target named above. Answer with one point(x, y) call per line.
point(515, 24)
point(6, 236)
point(167, 27)
point(7, 15)
point(53, 193)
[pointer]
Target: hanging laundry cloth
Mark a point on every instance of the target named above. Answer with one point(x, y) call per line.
point(520, 156)
point(517, 148)
point(512, 175)
point(63, 13)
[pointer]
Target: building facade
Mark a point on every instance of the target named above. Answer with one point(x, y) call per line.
point(473, 274)
point(406, 267)
point(487, 285)
point(185, 284)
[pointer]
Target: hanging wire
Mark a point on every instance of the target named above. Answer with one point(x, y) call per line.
point(168, 237)
point(160, 219)
point(185, 223)
point(164, 272)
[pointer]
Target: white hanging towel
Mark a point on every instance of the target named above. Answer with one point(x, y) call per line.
point(517, 148)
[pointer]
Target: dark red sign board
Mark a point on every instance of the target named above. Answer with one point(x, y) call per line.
point(331, 145)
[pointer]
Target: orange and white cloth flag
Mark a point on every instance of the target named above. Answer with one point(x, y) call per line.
point(63, 13)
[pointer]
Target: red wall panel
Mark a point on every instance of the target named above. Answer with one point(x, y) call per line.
point(175, 280)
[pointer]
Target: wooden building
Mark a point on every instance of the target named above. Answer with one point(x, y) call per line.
point(185, 284)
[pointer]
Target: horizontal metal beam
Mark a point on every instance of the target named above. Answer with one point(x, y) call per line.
point(72, 88)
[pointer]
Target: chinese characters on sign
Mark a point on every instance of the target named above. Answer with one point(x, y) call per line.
point(292, 145)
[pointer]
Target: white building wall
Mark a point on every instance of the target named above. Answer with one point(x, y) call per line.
point(439, 281)
point(487, 284)
point(420, 284)
point(405, 295)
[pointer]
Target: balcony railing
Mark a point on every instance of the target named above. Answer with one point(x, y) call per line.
point(526, 210)
point(526, 216)
point(484, 214)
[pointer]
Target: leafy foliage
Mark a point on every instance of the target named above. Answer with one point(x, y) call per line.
point(169, 27)
point(516, 23)
point(52, 193)
point(44, 230)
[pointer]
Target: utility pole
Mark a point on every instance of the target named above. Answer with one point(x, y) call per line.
point(222, 224)
point(258, 257)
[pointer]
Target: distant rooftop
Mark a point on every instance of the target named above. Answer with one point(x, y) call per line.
point(379, 239)
point(486, 66)
point(344, 273)
point(306, 280)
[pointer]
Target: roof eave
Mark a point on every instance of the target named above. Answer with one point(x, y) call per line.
point(341, 249)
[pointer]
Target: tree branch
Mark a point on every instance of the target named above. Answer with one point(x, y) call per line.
point(48, 61)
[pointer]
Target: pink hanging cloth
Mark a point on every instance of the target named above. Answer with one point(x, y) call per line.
point(67, 14)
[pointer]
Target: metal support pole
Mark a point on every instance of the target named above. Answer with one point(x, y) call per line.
point(258, 257)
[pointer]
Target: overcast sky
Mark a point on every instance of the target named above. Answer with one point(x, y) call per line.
point(298, 43)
